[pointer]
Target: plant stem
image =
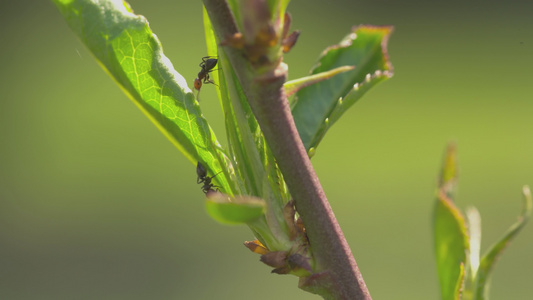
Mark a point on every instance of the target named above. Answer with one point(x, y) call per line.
point(268, 101)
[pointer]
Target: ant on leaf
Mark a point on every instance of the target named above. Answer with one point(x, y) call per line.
point(206, 180)
point(207, 65)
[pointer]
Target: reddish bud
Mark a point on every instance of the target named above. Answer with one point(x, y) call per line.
point(256, 247)
point(289, 42)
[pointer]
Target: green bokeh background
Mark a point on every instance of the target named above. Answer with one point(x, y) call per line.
point(95, 203)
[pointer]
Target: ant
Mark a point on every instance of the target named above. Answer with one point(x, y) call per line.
point(207, 66)
point(206, 180)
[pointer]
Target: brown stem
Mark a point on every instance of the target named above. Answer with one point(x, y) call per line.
point(269, 104)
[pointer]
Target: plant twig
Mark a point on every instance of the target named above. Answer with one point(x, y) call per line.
point(268, 101)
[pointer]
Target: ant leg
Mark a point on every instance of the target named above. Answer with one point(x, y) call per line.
point(208, 79)
point(212, 82)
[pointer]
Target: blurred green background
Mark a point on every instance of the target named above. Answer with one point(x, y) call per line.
point(95, 203)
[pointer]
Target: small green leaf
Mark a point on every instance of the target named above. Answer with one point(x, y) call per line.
point(474, 232)
point(451, 245)
point(238, 210)
point(364, 48)
point(487, 262)
point(451, 238)
point(130, 53)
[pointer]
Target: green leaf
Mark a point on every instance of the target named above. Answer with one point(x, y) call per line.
point(487, 262)
point(295, 85)
point(451, 245)
point(344, 103)
point(238, 210)
point(474, 232)
point(459, 284)
point(451, 239)
point(131, 54)
point(364, 48)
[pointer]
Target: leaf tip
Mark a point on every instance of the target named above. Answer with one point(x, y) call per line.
point(386, 31)
point(449, 172)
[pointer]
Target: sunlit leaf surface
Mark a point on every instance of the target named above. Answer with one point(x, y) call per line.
point(131, 54)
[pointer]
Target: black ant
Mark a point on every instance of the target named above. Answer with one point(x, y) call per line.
point(206, 180)
point(207, 66)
